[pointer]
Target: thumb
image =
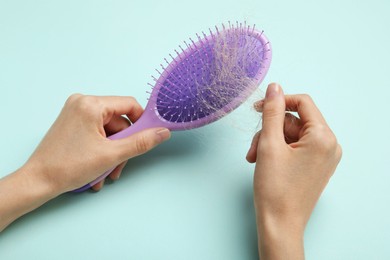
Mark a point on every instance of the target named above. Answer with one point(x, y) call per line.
point(273, 112)
point(141, 142)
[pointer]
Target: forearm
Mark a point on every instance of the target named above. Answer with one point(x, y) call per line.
point(20, 193)
point(279, 239)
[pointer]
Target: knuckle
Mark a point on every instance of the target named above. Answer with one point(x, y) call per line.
point(86, 100)
point(72, 98)
point(325, 140)
point(132, 99)
point(142, 144)
point(306, 97)
point(270, 113)
point(85, 104)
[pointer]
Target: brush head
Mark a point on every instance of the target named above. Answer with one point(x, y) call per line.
point(211, 77)
point(204, 82)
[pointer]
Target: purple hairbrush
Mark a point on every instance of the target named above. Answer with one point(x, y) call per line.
point(207, 80)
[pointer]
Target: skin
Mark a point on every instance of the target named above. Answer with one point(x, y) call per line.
point(295, 158)
point(75, 151)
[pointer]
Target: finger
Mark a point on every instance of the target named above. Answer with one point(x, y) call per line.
point(304, 105)
point(140, 142)
point(273, 113)
point(116, 124)
point(135, 115)
point(258, 105)
point(292, 128)
point(98, 186)
point(116, 105)
point(252, 152)
point(116, 173)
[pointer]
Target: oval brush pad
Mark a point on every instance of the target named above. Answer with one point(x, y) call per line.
point(205, 81)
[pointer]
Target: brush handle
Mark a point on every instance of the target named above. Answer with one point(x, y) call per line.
point(142, 123)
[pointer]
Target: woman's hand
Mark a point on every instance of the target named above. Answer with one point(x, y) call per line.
point(295, 158)
point(75, 151)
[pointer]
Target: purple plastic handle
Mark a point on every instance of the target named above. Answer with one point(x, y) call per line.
point(147, 120)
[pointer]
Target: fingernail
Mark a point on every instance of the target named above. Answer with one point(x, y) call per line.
point(164, 134)
point(117, 176)
point(273, 90)
point(258, 105)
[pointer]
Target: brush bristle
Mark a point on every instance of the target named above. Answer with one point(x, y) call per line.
point(210, 74)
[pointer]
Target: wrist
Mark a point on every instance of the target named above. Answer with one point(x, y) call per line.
point(22, 192)
point(279, 237)
point(32, 178)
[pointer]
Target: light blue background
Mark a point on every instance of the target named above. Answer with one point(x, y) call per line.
point(191, 198)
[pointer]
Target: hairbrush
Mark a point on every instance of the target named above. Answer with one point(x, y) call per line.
point(208, 79)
